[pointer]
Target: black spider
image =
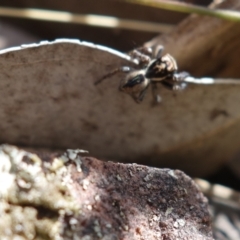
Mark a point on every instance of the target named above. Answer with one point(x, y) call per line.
point(152, 70)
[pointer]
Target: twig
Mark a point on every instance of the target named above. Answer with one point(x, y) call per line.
point(208, 80)
point(189, 8)
point(85, 19)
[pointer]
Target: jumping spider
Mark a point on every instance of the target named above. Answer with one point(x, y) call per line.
point(151, 71)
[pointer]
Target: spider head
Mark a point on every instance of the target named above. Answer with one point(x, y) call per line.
point(135, 84)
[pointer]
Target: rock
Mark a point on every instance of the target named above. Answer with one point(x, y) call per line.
point(47, 196)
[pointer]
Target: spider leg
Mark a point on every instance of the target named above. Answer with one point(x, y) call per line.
point(180, 77)
point(115, 71)
point(156, 97)
point(142, 55)
point(141, 96)
point(159, 51)
point(179, 86)
point(168, 83)
point(173, 84)
point(145, 50)
point(177, 82)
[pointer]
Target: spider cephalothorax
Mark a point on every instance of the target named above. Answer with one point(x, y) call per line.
point(152, 70)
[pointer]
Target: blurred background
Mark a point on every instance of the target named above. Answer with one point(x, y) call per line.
point(27, 28)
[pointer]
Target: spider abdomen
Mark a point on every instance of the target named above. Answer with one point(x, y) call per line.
point(161, 68)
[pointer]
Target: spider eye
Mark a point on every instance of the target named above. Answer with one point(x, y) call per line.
point(138, 79)
point(135, 85)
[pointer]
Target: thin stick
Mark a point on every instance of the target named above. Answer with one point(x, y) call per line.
point(189, 8)
point(208, 80)
point(85, 19)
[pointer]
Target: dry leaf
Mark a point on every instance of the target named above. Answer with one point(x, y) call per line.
point(48, 99)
